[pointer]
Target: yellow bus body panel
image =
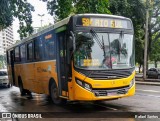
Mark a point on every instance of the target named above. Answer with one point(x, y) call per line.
point(35, 76)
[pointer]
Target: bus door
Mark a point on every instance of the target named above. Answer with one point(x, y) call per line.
point(62, 63)
point(12, 66)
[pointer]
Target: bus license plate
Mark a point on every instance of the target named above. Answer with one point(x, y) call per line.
point(111, 93)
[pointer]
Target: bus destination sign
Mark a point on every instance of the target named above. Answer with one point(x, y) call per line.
point(103, 22)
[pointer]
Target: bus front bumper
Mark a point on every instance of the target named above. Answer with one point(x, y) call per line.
point(82, 94)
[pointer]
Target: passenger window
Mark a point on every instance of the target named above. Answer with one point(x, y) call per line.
point(29, 51)
point(17, 58)
point(23, 52)
point(49, 48)
point(38, 49)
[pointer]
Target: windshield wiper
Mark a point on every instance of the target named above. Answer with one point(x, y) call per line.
point(109, 42)
point(98, 40)
point(121, 37)
point(103, 46)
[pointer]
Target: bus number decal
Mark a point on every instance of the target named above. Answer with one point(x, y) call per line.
point(86, 21)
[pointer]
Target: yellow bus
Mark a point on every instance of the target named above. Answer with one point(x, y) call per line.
point(85, 57)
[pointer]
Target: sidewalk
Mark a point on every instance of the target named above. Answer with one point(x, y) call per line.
point(148, 83)
point(155, 82)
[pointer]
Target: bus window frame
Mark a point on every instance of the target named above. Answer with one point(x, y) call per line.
point(40, 52)
point(8, 57)
point(47, 48)
point(19, 58)
point(27, 51)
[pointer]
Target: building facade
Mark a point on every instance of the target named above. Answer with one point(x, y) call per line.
point(1, 45)
point(6, 39)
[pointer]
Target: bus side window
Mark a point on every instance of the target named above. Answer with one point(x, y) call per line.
point(23, 52)
point(30, 51)
point(49, 49)
point(17, 54)
point(38, 49)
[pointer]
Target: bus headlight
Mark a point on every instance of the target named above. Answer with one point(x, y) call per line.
point(84, 84)
point(132, 83)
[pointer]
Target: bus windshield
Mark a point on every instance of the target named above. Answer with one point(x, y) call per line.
point(104, 50)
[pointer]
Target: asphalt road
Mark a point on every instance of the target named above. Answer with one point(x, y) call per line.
point(146, 99)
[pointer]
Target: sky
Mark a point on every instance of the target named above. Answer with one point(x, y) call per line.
point(40, 8)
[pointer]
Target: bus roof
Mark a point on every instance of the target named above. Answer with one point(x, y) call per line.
point(103, 15)
point(61, 23)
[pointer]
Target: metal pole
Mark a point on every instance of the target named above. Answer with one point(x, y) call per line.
point(41, 21)
point(41, 15)
point(146, 41)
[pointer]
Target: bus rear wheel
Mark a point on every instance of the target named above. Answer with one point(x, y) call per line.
point(55, 95)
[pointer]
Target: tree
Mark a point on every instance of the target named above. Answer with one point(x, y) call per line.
point(139, 41)
point(154, 25)
point(64, 8)
point(20, 9)
point(60, 8)
point(92, 6)
point(155, 53)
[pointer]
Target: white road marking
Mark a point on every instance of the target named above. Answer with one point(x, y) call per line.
point(148, 90)
point(148, 95)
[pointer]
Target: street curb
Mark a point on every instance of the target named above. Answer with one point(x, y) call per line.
point(148, 83)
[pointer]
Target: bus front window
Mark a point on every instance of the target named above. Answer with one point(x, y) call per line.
point(104, 51)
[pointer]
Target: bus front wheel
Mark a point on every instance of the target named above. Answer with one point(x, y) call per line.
point(54, 94)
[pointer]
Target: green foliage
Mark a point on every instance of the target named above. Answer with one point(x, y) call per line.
point(154, 23)
point(139, 47)
point(63, 8)
point(6, 17)
point(20, 9)
point(92, 6)
point(60, 8)
point(155, 53)
point(118, 7)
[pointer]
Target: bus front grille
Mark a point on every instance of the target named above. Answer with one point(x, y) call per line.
point(102, 75)
point(109, 92)
point(106, 74)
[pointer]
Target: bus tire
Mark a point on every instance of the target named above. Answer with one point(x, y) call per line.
point(54, 94)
